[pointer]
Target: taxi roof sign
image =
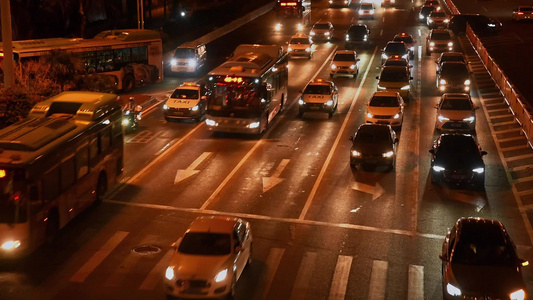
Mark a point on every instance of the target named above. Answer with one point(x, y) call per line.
point(188, 83)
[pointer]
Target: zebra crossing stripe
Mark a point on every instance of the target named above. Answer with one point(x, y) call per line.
point(155, 275)
point(272, 263)
point(340, 278)
point(378, 280)
point(301, 284)
point(415, 287)
point(98, 257)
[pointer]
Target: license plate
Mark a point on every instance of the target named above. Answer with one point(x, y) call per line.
point(371, 161)
point(458, 177)
point(314, 108)
point(456, 125)
point(179, 113)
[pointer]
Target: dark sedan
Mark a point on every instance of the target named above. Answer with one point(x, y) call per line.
point(479, 261)
point(453, 76)
point(374, 144)
point(457, 159)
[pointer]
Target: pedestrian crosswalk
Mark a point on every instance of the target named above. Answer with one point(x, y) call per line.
point(343, 271)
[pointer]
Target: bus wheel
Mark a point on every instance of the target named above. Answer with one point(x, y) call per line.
point(128, 83)
point(52, 227)
point(101, 188)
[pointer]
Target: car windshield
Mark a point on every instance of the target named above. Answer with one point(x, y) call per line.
point(454, 70)
point(394, 74)
point(437, 14)
point(395, 48)
point(440, 36)
point(299, 41)
point(450, 146)
point(184, 53)
point(357, 30)
point(185, 94)
point(321, 26)
point(366, 6)
point(318, 89)
point(405, 39)
point(427, 9)
point(456, 104)
point(205, 243)
point(371, 136)
point(344, 57)
point(483, 244)
point(459, 58)
point(384, 101)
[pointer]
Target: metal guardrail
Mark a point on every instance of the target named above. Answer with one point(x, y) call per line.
point(522, 111)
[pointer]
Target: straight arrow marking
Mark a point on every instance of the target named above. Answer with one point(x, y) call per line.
point(375, 190)
point(270, 182)
point(184, 174)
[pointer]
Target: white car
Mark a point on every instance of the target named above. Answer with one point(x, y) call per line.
point(209, 258)
point(438, 19)
point(322, 31)
point(385, 108)
point(367, 10)
point(395, 79)
point(344, 62)
point(319, 95)
point(456, 112)
point(188, 101)
point(300, 45)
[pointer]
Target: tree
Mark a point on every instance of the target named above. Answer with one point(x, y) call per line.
point(65, 67)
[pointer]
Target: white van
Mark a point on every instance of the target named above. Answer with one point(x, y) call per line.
point(188, 58)
point(188, 101)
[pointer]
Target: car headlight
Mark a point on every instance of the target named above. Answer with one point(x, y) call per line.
point(370, 115)
point(440, 169)
point(329, 103)
point(127, 112)
point(470, 119)
point(173, 62)
point(356, 153)
point(125, 122)
point(326, 33)
point(333, 66)
point(412, 48)
point(165, 107)
point(347, 37)
point(169, 273)
point(352, 67)
point(384, 56)
point(360, 11)
point(430, 21)
point(372, 12)
point(478, 170)
point(518, 295)
point(192, 62)
point(301, 101)
point(194, 108)
point(420, 16)
point(405, 87)
point(452, 290)
point(432, 44)
point(442, 81)
point(467, 82)
point(388, 154)
point(277, 27)
point(308, 49)
point(300, 27)
point(10, 245)
point(312, 33)
point(221, 275)
point(446, 20)
point(450, 44)
point(442, 118)
point(254, 125)
point(396, 116)
point(365, 37)
point(210, 122)
point(491, 25)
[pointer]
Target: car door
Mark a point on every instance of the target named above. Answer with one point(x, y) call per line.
point(239, 235)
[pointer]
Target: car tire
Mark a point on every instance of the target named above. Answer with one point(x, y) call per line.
point(231, 294)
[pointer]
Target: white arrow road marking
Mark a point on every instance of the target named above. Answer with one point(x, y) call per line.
point(184, 174)
point(375, 190)
point(270, 182)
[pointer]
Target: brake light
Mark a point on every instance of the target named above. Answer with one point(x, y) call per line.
point(2, 173)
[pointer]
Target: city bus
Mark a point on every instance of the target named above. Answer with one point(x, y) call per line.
point(131, 57)
point(248, 90)
point(56, 163)
point(292, 16)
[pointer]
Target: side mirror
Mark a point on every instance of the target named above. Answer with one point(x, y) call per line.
point(436, 105)
point(396, 140)
point(350, 138)
point(300, 92)
point(443, 257)
point(239, 248)
point(476, 107)
point(377, 77)
point(168, 95)
point(174, 246)
point(203, 97)
point(432, 151)
point(483, 153)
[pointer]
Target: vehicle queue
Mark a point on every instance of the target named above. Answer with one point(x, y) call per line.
point(457, 157)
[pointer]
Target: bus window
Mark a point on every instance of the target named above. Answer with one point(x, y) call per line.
point(105, 140)
point(35, 201)
point(68, 173)
point(122, 56)
point(51, 185)
point(139, 54)
point(104, 61)
point(93, 152)
point(82, 161)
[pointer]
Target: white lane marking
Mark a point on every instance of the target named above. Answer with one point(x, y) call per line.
point(484, 8)
point(375, 190)
point(415, 285)
point(273, 180)
point(301, 284)
point(284, 220)
point(271, 266)
point(381, 32)
point(251, 151)
point(340, 278)
point(378, 280)
point(98, 257)
point(419, 33)
point(184, 174)
point(132, 179)
point(154, 277)
point(334, 146)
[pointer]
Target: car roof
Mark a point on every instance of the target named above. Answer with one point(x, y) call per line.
point(395, 68)
point(374, 127)
point(300, 35)
point(456, 96)
point(358, 25)
point(445, 137)
point(345, 52)
point(470, 226)
point(452, 62)
point(442, 30)
point(323, 22)
point(216, 224)
point(385, 94)
point(367, 3)
point(319, 81)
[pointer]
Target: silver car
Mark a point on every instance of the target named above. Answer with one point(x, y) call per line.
point(456, 112)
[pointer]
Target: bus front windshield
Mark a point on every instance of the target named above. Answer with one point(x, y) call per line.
point(12, 204)
point(233, 96)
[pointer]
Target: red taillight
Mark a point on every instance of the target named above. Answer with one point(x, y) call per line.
point(2, 173)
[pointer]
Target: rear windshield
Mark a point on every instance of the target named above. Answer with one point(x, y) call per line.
point(372, 136)
point(184, 53)
point(205, 243)
point(299, 41)
point(382, 101)
point(405, 39)
point(454, 69)
point(441, 36)
point(402, 63)
point(395, 48)
point(321, 26)
point(366, 6)
point(357, 30)
point(456, 104)
point(453, 58)
point(318, 89)
point(394, 74)
point(344, 57)
point(437, 14)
